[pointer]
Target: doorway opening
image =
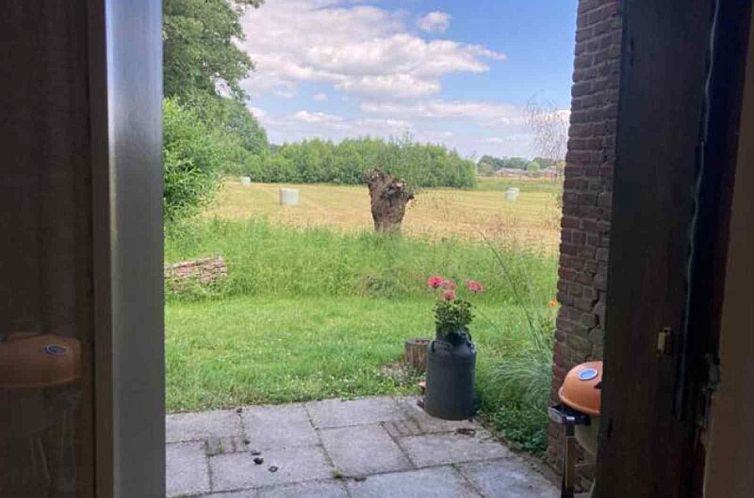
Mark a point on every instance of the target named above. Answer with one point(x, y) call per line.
point(282, 286)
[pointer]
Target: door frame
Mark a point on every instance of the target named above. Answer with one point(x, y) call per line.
point(125, 77)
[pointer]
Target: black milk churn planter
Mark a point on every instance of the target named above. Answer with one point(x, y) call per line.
point(451, 369)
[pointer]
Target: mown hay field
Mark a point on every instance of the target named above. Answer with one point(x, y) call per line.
point(531, 220)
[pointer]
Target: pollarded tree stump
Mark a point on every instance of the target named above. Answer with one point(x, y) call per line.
point(416, 354)
point(390, 196)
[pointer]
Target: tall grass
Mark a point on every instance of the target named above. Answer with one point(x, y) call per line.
point(274, 260)
point(517, 389)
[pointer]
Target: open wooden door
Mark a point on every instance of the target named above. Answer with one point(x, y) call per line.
point(681, 91)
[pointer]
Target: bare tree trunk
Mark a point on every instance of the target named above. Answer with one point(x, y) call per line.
point(390, 196)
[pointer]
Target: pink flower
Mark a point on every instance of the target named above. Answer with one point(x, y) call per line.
point(449, 285)
point(435, 281)
point(474, 286)
point(449, 294)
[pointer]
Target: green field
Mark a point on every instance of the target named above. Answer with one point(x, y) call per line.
point(314, 311)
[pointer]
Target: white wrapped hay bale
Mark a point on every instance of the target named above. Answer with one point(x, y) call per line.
point(245, 181)
point(512, 194)
point(288, 197)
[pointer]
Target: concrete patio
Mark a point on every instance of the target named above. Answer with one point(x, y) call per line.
point(371, 447)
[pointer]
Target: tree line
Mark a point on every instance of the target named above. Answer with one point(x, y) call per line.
point(323, 161)
point(488, 165)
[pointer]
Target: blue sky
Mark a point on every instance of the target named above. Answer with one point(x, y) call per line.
point(452, 72)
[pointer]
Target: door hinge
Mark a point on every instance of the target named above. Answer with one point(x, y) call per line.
point(708, 390)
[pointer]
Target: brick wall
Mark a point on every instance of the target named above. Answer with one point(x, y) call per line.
point(587, 193)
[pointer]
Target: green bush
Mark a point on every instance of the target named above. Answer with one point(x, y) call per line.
point(236, 131)
point(192, 155)
point(534, 169)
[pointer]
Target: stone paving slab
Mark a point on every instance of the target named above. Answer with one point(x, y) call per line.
point(439, 482)
point(284, 426)
point(376, 443)
point(508, 478)
point(327, 489)
point(363, 450)
point(222, 445)
point(238, 470)
point(201, 426)
point(442, 449)
point(428, 424)
point(247, 493)
point(336, 413)
point(400, 428)
point(187, 471)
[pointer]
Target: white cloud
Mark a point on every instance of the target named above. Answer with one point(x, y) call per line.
point(380, 126)
point(372, 60)
point(434, 22)
point(489, 114)
point(316, 117)
point(478, 127)
point(358, 49)
point(307, 124)
point(397, 86)
point(468, 126)
point(523, 137)
point(257, 112)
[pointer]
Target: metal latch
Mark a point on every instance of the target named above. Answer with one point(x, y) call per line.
point(665, 341)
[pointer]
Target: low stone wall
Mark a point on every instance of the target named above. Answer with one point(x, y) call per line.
point(205, 271)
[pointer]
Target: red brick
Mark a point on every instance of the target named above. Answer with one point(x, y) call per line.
point(569, 222)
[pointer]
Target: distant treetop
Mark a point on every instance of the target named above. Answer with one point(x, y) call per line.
point(199, 48)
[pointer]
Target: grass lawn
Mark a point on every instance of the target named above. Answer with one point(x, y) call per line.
point(251, 350)
point(247, 350)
